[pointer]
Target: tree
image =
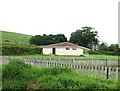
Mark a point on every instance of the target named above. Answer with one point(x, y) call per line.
point(85, 37)
point(114, 48)
point(60, 38)
point(47, 39)
point(103, 46)
point(36, 39)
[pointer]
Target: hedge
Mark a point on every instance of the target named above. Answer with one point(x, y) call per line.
point(21, 50)
point(100, 52)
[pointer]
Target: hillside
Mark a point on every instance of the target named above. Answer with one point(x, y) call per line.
point(14, 38)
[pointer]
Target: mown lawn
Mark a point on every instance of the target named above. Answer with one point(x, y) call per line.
point(104, 56)
point(89, 56)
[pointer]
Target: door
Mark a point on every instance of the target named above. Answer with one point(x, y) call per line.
point(53, 50)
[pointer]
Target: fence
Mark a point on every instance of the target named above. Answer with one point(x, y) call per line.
point(85, 61)
point(107, 72)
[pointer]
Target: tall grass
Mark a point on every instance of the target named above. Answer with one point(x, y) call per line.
point(17, 75)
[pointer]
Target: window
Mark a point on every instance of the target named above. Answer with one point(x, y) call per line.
point(67, 48)
point(74, 48)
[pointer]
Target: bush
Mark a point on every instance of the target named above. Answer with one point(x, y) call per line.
point(18, 75)
point(20, 50)
point(101, 52)
point(15, 70)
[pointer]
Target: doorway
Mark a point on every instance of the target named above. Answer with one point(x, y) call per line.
point(53, 50)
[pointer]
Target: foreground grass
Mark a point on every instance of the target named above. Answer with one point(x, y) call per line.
point(0, 76)
point(17, 75)
point(53, 56)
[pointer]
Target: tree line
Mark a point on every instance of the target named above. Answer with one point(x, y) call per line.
point(86, 37)
point(83, 37)
point(47, 39)
point(112, 49)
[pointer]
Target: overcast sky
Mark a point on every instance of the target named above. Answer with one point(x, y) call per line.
point(37, 17)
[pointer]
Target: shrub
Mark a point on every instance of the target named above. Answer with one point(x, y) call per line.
point(18, 75)
point(100, 52)
point(20, 50)
point(15, 70)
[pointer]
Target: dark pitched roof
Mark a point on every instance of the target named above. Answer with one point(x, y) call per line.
point(62, 44)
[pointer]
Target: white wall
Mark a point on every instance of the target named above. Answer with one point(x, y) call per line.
point(47, 50)
point(63, 51)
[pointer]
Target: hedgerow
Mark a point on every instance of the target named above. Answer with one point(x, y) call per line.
point(20, 50)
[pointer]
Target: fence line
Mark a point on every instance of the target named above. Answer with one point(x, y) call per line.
point(103, 71)
point(85, 61)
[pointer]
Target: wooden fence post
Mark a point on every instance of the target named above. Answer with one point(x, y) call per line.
point(95, 71)
point(82, 69)
point(109, 72)
point(116, 73)
point(73, 60)
point(89, 71)
point(102, 71)
point(112, 73)
point(98, 71)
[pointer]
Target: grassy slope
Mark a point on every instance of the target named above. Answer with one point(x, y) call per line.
point(15, 38)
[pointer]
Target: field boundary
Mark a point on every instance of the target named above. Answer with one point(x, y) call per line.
point(103, 71)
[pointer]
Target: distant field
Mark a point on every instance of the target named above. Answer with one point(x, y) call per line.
point(89, 56)
point(14, 38)
point(103, 56)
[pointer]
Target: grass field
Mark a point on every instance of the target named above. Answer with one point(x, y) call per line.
point(22, 76)
point(89, 56)
point(14, 38)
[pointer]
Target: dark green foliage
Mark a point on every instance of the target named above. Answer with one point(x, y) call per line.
point(84, 37)
point(101, 52)
point(20, 50)
point(113, 49)
point(56, 71)
point(14, 70)
point(13, 84)
point(103, 46)
point(13, 75)
point(47, 39)
point(17, 75)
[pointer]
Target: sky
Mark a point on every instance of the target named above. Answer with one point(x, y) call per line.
point(38, 17)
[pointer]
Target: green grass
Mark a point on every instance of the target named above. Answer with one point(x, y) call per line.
point(14, 38)
point(0, 76)
point(89, 56)
point(22, 76)
point(103, 56)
